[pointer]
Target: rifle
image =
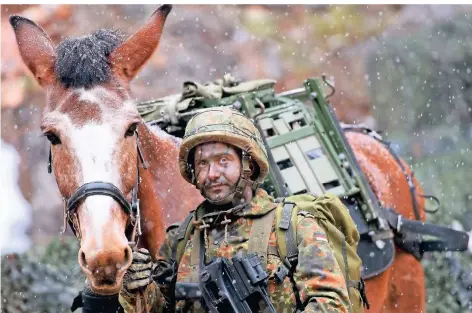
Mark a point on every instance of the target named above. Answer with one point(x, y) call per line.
point(239, 286)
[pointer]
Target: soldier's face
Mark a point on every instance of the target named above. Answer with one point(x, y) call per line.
point(217, 169)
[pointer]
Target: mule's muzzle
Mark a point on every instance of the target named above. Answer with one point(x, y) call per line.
point(105, 268)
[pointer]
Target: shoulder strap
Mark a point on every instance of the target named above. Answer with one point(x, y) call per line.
point(196, 256)
point(285, 229)
point(183, 234)
point(286, 221)
point(260, 235)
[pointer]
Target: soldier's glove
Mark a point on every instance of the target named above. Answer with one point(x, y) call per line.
point(139, 274)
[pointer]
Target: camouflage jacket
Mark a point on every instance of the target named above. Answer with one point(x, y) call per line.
point(318, 277)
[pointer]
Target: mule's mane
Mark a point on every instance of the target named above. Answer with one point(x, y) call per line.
point(83, 61)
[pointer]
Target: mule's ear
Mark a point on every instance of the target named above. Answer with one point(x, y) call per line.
point(36, 48)
point(130, 56)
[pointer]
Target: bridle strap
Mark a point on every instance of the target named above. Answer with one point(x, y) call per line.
point(108, 189)
point(95, 189)
point(50, 160)
point(140, 154)
point(135, 209)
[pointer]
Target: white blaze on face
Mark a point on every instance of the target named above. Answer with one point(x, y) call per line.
point(94, 146)
point(89, 95)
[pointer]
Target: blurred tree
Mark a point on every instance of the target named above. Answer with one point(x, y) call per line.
point(424, 79)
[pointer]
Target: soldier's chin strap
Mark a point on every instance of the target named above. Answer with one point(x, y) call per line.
point(237, 196)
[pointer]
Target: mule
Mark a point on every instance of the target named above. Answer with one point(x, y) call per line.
point(401, 288)
point(93, 126)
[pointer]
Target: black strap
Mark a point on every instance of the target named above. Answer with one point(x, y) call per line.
point(141, 156)
point(360, 286)
point(410, 243)
point(410, 232)
point(300, 306)
point(99, 188)
point(50, 160)
point(202, 251)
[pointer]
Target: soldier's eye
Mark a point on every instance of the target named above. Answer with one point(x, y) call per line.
point(201, 164)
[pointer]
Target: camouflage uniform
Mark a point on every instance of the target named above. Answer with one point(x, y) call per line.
point(318, 277)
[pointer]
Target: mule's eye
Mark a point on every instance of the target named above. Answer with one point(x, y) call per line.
point(53, 138)
point(131, 130)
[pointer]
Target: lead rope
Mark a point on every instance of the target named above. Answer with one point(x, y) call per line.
point(139, 304)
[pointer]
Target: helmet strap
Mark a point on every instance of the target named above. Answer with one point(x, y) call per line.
point(191, 173)
point(244, 179)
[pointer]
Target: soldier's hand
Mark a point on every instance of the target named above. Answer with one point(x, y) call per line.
point(139, 273)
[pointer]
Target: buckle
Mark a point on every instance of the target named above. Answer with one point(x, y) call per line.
point(399, 222)
point(290, 261)
point(280, 274)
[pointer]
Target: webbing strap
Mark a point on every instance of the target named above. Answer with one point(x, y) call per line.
point(286, 216)
point(260, 235)
point(183, 227)
point(287, 225)
point(195, 256)
point(360, 286)
point(291, 258)
point(447, 239)
point(346, 264)
point(181, 232)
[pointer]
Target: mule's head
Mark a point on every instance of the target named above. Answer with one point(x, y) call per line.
point(90, 120)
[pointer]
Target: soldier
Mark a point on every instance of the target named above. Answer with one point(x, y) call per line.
point(222, 154)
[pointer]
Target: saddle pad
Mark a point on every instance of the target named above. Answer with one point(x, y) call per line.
point(375, 259)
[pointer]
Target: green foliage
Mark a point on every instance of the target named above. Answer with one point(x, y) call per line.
point(448, 275)
point(447, 176)
point(424, 79)
point(449, 282)
point(43, 280)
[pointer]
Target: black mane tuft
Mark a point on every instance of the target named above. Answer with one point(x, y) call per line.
point(83, 61)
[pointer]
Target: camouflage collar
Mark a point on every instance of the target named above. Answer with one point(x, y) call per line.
point(261, 204)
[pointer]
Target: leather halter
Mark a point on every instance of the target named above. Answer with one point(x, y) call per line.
point(105, 189)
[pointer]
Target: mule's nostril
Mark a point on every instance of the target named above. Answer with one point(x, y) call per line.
point(82, 260)
point(128, 257)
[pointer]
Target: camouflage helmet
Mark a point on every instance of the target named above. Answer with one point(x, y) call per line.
point(223, 125)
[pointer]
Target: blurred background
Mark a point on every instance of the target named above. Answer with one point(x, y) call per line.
point(405, 70)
